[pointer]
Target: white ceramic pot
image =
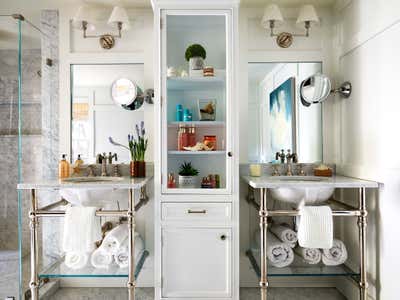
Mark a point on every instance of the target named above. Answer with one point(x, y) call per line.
point(196, 63)
point(187, 181)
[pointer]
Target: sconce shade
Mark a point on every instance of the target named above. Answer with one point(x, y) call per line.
point(119, 15)
point(83, 15)
point(307, 14)
point(271, 13)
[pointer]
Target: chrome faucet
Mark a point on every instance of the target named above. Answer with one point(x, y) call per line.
point(290, 158)
point(111, 156)
point(280, 156)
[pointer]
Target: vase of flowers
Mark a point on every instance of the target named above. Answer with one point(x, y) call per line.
point(137, 148)
point(187, 175)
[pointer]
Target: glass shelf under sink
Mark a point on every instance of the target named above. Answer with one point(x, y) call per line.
point(299, 269)
point(60, 270)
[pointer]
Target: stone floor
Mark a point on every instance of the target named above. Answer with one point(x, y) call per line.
point(245, 294)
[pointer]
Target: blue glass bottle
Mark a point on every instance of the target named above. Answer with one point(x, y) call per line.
point(179, 113)
point(187, 115)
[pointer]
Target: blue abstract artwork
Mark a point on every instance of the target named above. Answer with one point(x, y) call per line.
point(282, 118)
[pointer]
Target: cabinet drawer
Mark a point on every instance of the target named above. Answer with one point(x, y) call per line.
point(196, 211)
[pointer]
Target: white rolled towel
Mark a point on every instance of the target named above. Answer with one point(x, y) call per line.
point(285, 234)
point(101, 258)
point(76, 260)
point(115, 238)
point(122, 255)
point(311, 256)
point(336, 255)
point(279, 254)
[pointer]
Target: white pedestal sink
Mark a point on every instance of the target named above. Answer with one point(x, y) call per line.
point(309, 194)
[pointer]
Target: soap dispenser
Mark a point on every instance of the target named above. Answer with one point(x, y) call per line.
point(63, 167)
point(77, 165)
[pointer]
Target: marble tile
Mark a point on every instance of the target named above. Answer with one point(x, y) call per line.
point(245, 294)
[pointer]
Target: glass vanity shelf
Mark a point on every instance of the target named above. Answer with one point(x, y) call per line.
point(198, 124)
point(176, 152)
point(60, 270)
point(192, 83)
point(299, 268)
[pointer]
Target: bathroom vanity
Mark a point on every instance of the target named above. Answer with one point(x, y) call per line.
point(104, 185)
point(268, 185)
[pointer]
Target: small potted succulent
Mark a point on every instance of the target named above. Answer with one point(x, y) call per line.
point(195, 54)
point(187, 175)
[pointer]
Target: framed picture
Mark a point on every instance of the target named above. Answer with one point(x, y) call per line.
point(282, 117)
point(207, 109)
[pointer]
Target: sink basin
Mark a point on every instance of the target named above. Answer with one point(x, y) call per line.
point(105, 198)
point(295, 195)
point(92, 179)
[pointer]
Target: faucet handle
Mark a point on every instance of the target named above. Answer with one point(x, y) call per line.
point(92, 169)
point(301, 170)
point(275, 172)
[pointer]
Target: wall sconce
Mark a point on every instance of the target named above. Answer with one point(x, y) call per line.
point(118, 18)
point(272, 18)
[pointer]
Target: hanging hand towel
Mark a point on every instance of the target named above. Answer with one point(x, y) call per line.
point(311, 256)
point(285, 234)
point(101, 258)
point(336, 255)
point(115, 238)
point(122, 255)
point(82, 229)
point(76, 260)
point(316, 227)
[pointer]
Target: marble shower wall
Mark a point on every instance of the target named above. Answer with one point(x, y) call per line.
point(31, 140)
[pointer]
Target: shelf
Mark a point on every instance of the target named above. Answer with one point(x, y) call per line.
point(173, 152)
point(198, 123)
point(60, 270)
point(299, 269)
point(192, 83)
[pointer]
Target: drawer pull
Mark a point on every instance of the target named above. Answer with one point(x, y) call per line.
point(223, 237)
point(191, 211)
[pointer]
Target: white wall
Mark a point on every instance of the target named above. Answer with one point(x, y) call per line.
point(364, 128)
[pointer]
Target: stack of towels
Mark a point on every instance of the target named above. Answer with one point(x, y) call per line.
point(80, 245)
point(282, 244)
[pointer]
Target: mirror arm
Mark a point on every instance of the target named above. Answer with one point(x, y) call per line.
point(344, 89)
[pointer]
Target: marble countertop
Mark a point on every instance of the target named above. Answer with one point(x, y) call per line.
point(296, 182)
point(124, 183)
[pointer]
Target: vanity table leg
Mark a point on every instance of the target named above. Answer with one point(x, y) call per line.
point(34, 282)
point(263, 213)
point(362, 226)
point(131, 235)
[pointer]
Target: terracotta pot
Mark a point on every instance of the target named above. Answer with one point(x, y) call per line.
point(138, 169)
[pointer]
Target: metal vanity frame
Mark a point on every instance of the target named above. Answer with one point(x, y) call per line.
point(359, 212)
point(35, 213)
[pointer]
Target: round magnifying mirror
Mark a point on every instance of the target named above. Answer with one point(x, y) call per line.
point(315, 89)
point(124, 93)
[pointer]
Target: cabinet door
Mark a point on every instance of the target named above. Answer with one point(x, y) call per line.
point(196, 262)
point(197, 108)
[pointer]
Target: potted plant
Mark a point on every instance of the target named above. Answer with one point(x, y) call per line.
point(137, 148)
point(195, 54)
point(187, 175)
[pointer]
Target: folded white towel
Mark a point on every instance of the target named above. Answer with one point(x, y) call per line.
point(316, 227)
point(122, 255)
point(82, 229)
point(115, 238)
point(101, 258)
point(76, 260)
point(285, 234)
point(336, 255)
point(311, 256)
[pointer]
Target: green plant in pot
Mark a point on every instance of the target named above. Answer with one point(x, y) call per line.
point(187, 175)
point(195, 54)
point(137, 148)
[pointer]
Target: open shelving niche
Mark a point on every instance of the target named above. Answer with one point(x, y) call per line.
point(187, 91)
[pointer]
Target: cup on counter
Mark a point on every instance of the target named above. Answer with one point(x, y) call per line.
point(255, 170)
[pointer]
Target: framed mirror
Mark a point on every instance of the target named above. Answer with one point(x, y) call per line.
point(98, 92)
point(277, 115)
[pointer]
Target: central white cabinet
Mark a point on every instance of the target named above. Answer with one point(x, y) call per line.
point(196, 227)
